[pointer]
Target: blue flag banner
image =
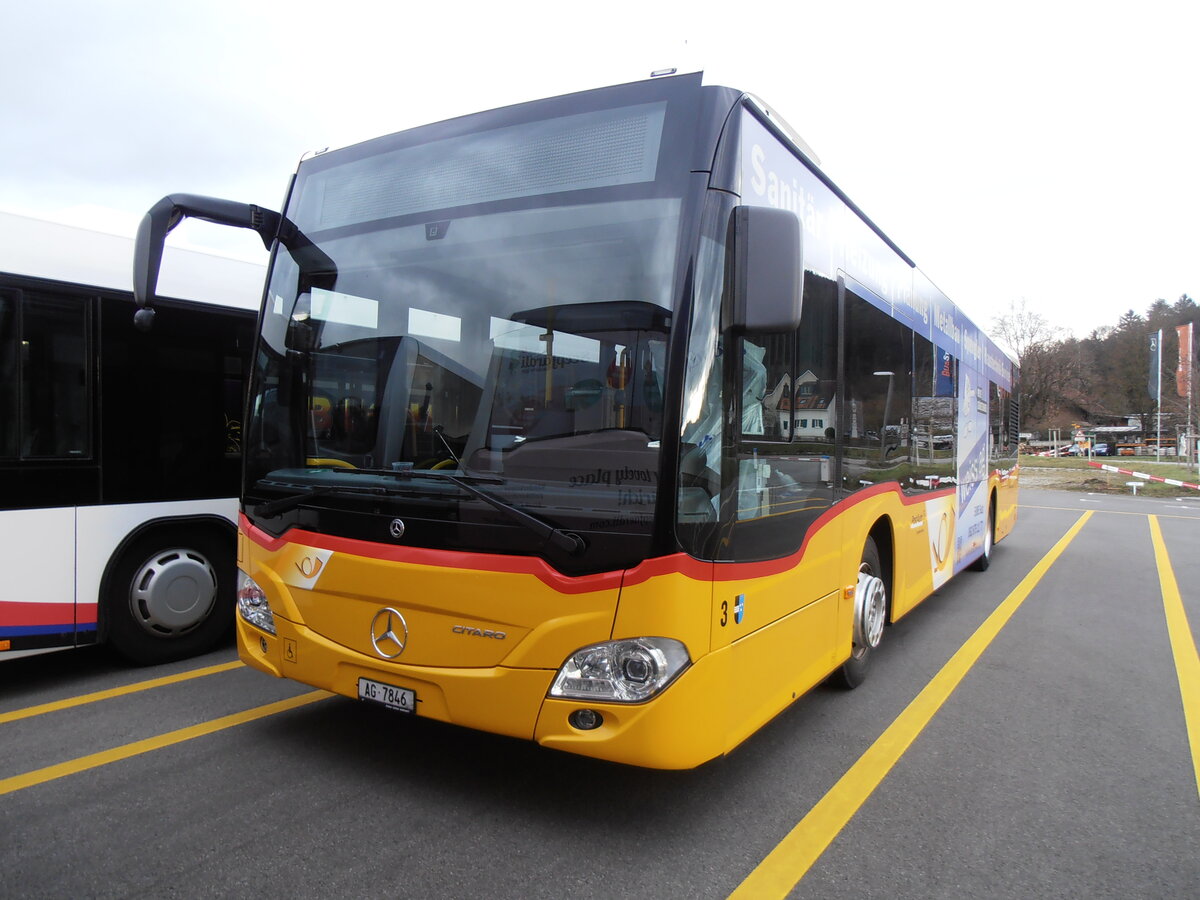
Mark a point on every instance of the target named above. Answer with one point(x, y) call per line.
point(1155, 363)
point(943, 385)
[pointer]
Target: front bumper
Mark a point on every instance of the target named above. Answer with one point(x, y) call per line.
point(679, 729)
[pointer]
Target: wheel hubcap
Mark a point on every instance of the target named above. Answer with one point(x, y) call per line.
point(173, 592)
point(869, 611)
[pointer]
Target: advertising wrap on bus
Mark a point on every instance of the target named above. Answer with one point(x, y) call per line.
point(835, 238)
point(837, 241)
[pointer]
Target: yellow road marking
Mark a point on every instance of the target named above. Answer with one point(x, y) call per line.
point(104, 757)
point(116, 692)
point(1187, 661)
point(784, 866)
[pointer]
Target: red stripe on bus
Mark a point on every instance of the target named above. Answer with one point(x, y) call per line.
point(748, 570)
point(23, 613)
point(681, 563)
point(448, 559)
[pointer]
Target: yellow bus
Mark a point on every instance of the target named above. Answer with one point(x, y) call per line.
point(605, 421)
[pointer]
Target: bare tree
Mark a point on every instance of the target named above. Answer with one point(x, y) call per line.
point(1040, 350)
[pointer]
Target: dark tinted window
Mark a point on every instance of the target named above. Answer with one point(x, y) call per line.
point(172, 402)
point(1002, 427)
point(788, 403)
point(45, 393)
point(935, 408)
point(876, 413)
point(9, 384)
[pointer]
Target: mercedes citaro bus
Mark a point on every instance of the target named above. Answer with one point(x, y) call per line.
point(605, 421)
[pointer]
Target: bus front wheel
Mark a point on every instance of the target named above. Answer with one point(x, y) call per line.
point(170, 595)
point(870, 614)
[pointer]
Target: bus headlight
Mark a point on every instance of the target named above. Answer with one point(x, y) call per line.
point(627, 671)
point(252, 604)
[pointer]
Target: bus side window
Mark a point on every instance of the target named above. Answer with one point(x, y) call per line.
point(814, 382)
point(767, 386)
point(766, 360)
point(1002, 443)
point(784, 465)
point(55, 385)
point(877, 412)
point(935, 412)
point(9, 344)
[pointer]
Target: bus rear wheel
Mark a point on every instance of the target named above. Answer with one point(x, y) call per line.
point(170, 595)
point(989, 540)
point(870, 615)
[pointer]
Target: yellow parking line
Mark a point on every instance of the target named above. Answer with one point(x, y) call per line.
point(784, 866)
point(1187, 661)
point(116, 692)
point(104, 757)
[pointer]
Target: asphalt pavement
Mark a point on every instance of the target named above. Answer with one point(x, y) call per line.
point(1048, 749)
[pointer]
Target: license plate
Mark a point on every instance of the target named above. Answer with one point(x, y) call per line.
point(392, 697)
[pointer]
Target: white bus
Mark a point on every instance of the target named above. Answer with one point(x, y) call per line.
point(120, 451)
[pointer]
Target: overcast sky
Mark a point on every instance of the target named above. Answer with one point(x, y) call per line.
point(1044, 151)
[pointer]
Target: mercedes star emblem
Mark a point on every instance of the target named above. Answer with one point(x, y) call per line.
point(397, 528)
point(389, 633)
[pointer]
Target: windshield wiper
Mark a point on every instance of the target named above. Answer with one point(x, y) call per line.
point(566, 541)
point(272, 508)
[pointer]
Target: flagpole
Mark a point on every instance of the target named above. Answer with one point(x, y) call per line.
point(1188, 442)
point(1158, 428)
point(1193, 444)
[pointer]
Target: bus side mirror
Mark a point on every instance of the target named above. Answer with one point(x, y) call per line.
point(164, 216)
point(767, 268)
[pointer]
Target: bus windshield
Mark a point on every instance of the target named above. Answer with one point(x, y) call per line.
point(519, 335)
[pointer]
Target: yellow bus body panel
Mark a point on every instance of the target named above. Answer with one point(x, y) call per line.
point(459, 613)
point(499, 700)
point(486, 634)
point(1006, 484)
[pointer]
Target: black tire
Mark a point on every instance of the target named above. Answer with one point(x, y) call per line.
point(170, 595)
point(989, 541)
point(869, 633)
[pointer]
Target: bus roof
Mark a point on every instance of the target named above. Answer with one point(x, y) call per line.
point(41, 249)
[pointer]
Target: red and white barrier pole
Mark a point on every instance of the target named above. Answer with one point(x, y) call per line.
point(1171, 481)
